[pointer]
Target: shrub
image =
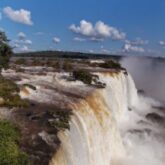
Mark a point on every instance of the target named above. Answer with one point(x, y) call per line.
point(61, 64)
point(36, 62)
point(54, 64)
point(20, 61)
point(7, 87)
point(9, 92)
point(83, 76)
point(67, 66)
point(16, 101)
point(10, 154)
point(61, 118)
point(110, 64)
point(19, 70)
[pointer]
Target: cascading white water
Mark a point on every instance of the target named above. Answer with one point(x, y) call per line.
point(99, 126)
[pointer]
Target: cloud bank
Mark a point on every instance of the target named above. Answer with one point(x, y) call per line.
point(135, 45)
point(131, 48)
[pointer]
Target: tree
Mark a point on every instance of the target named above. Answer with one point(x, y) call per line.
point(5, 51)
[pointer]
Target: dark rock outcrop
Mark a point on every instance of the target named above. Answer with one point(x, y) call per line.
point(156, 118)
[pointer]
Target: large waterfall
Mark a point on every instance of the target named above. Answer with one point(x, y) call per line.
point(109, 127)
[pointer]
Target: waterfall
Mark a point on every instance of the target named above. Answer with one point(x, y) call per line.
point(94, 137)
point(99, 125)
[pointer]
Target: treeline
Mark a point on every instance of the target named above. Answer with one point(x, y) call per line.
point(63, 54)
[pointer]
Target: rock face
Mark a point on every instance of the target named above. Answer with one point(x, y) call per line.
point(71, 123)
point(46, 127)
point(39, 135)
point(47, 114)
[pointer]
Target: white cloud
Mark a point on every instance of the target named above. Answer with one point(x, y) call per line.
point(91, 51)
point(56, 40)
point(131, 48)
point(102, 47)
point(39, 33)
point(25, 48)
point(162, 43)
point(85, 28)
point(105, 51)
point(16, 45)
point(22, 39)
point(104, 30)
point(24, 42)
point(137, 41)
point(1, 29)
point(19, 48)
point(21, 16)
point(79, 39)
point(21, 35)
point(27, 42)
point(99, 31)
point(135, 45)
point(96, 39)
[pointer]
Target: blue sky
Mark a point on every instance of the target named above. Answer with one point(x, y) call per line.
point(100, 26)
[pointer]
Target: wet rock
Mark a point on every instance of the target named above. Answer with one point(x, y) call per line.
point(34, 118)
point(161, 108)
point(154, 117)
point(126, 73)
point(138, 131)
point(141, 91)
point(100, 85)
point(59, 124)
point(48, 139)
point(28, 114)
point(142, 122)
point(32, 104)
point(39, 139)
point(129, 109)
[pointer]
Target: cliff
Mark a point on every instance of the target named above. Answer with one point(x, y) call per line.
point(105, 124)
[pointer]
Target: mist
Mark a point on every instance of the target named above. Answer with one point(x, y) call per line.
point(148, 74)
point(143, 138)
